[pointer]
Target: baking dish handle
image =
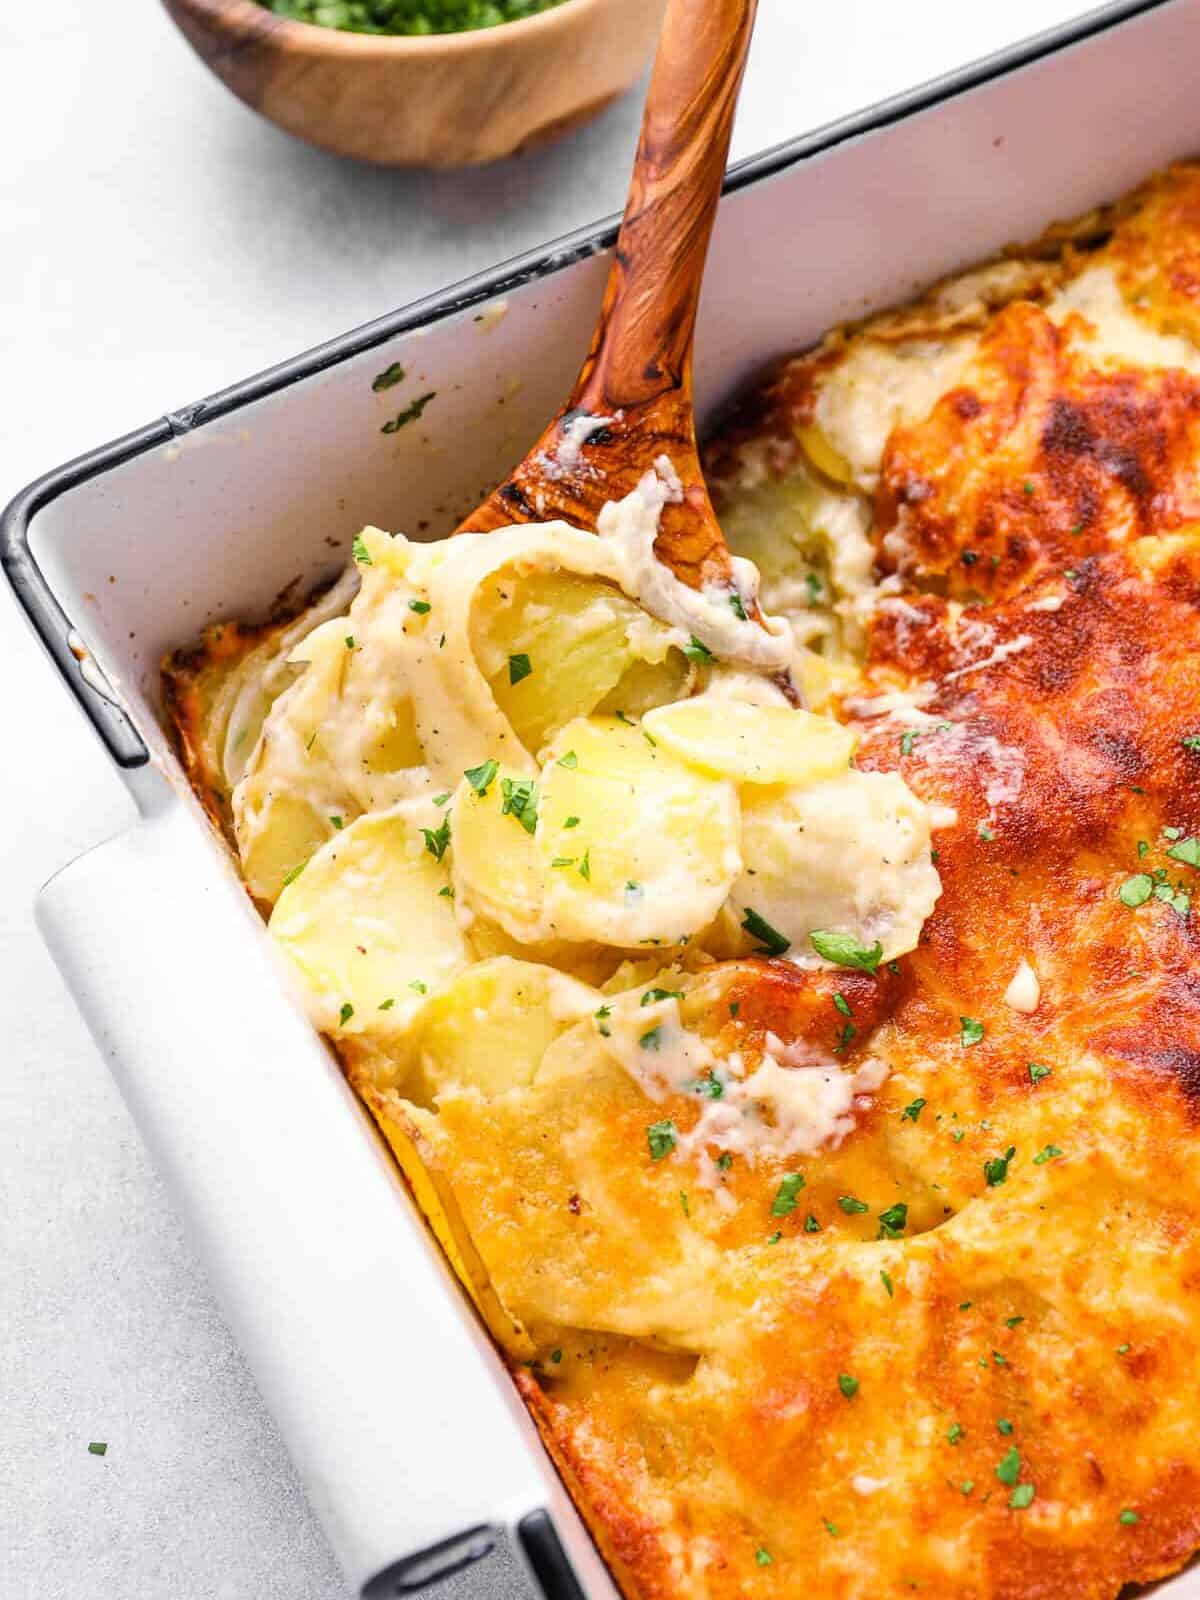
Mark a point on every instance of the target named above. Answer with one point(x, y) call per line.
point(414, 1450)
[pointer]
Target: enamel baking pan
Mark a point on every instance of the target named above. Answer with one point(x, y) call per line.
point(414, 1449)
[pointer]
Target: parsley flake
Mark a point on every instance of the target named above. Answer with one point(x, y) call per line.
point(784, 1202)
point(737, 605)
point(848, 1385)
point(763, 1556)
point(99, 1447)
point(518, 667)
point(1022, 1496)
point(520, 801)
point(773, 943)
point(290, 877)
point(386, 1005)
point(437, 840)
point(651, 1039)
point(695, 651)
point(893, 1221)
point(1137, 890)
point(841, 1003)
point(811, 1225)
point(388, 378)
point(1127, 1518)
point(570, 761)
point(1008, 1469)
point(995, 1171)
point(851, 1205)
point(421, 607)
point(482, 777)
point(661, 1136)
point(955, 1432)
point(886, 1279)
point(345, 1014)
point(971, 1032)
point(913, 1110)
point(1047, 1153)
point(1037, 1072)
point(844, 950)
point(1187, 851)
point(409, 414)
point(361, 553)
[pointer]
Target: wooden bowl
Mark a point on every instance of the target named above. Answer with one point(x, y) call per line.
point(439, 100)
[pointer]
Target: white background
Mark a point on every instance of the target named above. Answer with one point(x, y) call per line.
point(158, 242)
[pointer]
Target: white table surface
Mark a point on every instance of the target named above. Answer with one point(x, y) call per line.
point(159, 241)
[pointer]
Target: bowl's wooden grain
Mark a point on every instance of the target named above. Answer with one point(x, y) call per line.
point(445, 100)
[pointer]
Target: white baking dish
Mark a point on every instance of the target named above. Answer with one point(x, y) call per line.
point(416, 1453)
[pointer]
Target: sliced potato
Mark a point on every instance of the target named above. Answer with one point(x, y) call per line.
point(636, 847)
point(367, 927)
point(497, 869)
point(752, 743)
point(548, 619)
point(491, 1026)
point(285, 831)
point(849, 856)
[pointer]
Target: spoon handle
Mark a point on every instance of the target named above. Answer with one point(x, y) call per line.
point(642, 346)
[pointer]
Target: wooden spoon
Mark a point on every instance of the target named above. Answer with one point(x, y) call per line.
point(637, 379)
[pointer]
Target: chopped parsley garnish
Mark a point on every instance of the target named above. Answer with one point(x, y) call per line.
point(815, 587)
point(912, 1110)
point(1142, 848)
point(520, 801)
point(633, 892)
point(773, 943)
point(1137, 890)
point(971, 1032)
point(831, 1528)
point(763, 1556)
point(585, 865)
point(893, 1221)
point(1037, 1072)
point(966, 1485)
point(361, 553)
point(734, 1007)
point(1047, 1153)
point(1008, 1469)
point(518, 667)
point(388, 378)
point(409, 414)
point(1022, 1496)
point(556, 1356)
point(386, 1005)
point(848, 1385)
point(99, 1447)
point(955, 1432)
point(985, 833)
point(1126, 1519)
point(841, 1003)
point(446, 892)
point(695, 651)
point(570, 761)
point(437, 840)
point(886, 1279)
point(784, 1202)
point(420, 987)
point(482, 777)
point(349, 641)
point(970, 557)
point(908, 739)
point(707, 1088)
point(290, 877)
point(811, 1225)
point(738, 606)
point(997, 1360)
point(345, 1013)
point(845, 951)
point(845, 1035)
point(1187, 851)
point(421, 607)
point(651, 1039)
point(683, 1203)
point(571, 822)
point(563, 861)
point(602, 1017)
point(965, 1305)
point(661, 1136)
point(441, 799)
point(652, 996)
point(1027, 486)
point(1191, 741)
point(338, 823)
point(1123, 1349)
point(1004, 1425)
point(724, 1161)
point(1011, 1322)
point(851, 1205)
point(1172, 833)
point(995, 1171)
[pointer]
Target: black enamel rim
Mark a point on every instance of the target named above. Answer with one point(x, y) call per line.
point(52, 625)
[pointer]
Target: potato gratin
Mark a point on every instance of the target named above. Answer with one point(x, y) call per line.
point(806, 1098)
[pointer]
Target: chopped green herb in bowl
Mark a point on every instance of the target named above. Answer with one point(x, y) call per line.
point(408, 17)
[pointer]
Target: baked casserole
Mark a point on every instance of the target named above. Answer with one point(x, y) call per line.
point(805, 1097)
